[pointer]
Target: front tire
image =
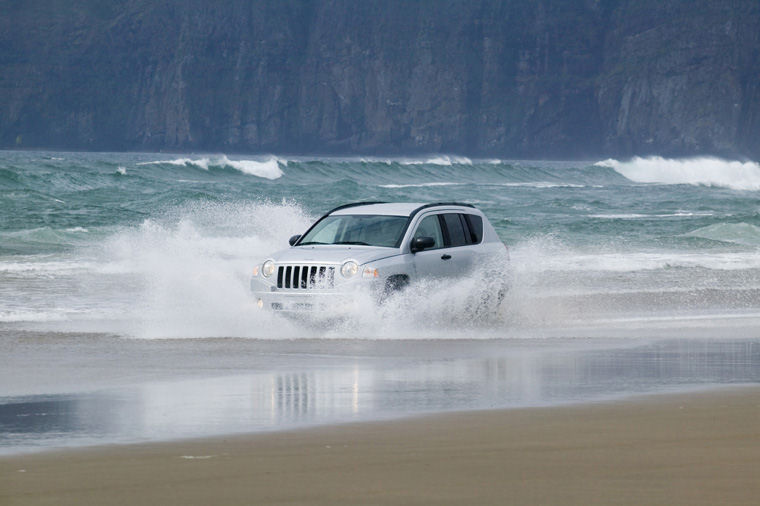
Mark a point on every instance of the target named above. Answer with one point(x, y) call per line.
point(393, 285)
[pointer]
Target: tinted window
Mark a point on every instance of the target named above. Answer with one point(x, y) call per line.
point(430, 227)
point(455, 229)
point(475, 224)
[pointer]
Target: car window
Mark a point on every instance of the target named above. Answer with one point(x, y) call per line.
point(475, 223)
point(327, 233)
point(455, 229)
point(430, 226)
point(369, 230)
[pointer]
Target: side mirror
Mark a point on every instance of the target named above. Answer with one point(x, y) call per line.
point(294, 239)
point(421, 243)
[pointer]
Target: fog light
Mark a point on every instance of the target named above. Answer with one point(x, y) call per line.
point(260, 303)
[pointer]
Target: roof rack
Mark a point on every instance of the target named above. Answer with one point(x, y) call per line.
point(435, 204)
point(354, 204)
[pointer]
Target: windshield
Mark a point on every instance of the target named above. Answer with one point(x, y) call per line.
point(363, 229)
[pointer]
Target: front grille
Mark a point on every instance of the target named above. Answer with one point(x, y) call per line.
point(305, 277)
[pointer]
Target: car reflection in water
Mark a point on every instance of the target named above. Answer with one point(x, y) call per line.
point(354, 389)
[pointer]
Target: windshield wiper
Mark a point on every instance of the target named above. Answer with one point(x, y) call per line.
point(310, 242)
point(352, 242)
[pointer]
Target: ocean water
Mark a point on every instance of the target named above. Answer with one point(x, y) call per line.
point(161, 246)
point(125, 313)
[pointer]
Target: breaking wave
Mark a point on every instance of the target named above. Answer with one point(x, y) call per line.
point(445, 160)
point(268, 169)
point(705, 171)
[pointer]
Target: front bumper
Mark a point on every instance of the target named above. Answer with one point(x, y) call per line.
point(330, 302)
point(303, 302)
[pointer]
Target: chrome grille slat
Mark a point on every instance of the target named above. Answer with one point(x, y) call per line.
point(305, 277)
point(296, 275)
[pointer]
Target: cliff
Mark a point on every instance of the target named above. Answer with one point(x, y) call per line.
point(511, 78)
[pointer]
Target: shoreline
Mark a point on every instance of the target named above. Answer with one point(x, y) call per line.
point(673, 448)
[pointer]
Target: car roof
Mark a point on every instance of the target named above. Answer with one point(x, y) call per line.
point(390, 208)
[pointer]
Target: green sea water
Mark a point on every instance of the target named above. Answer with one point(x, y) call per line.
point(161, 245)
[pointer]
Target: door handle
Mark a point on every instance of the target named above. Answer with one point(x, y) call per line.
point(445, 257)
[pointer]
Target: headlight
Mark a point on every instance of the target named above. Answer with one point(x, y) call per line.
point(349, 269)
point(267, 269)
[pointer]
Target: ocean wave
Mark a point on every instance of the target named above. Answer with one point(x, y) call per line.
point(542, 255)
point(705, 171)
point(41, 238)
point(17, 316)
point(443, 160)
point(49, 268)
point(542, 184)
point(745, 234)
point(637, 216)
point(418, 185)
point(267, 169)
point(638, 262)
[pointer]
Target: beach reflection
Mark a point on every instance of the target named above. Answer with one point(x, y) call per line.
point(492, 375)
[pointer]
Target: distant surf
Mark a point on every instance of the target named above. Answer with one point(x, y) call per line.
point(268, 168)
point(707, 171)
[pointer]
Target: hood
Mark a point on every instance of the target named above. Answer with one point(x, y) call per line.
point(333, 254)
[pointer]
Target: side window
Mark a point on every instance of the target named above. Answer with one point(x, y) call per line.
point(430, 227)
point(455, 229)
point(475, 224)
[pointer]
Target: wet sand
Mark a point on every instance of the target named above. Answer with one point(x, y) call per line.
point(701, 448)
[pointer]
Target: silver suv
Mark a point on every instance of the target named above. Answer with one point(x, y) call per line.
point(379, 248)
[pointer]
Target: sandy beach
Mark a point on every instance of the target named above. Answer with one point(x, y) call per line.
point(698, 448)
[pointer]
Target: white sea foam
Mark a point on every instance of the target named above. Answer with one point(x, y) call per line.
point(418, 185)
point(268, 168)
point(637, 216)
point(13, 316)
point(706, 171)
point(49, 315)
point(44, 268)
point(543, 184)
point(536, 184)
point(443, 160)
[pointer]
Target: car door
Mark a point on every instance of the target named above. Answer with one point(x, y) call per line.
point(458, 244)
point(432, 262)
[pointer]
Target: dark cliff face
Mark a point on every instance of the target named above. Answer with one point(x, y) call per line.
point(682, 77)
point(552, 78)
